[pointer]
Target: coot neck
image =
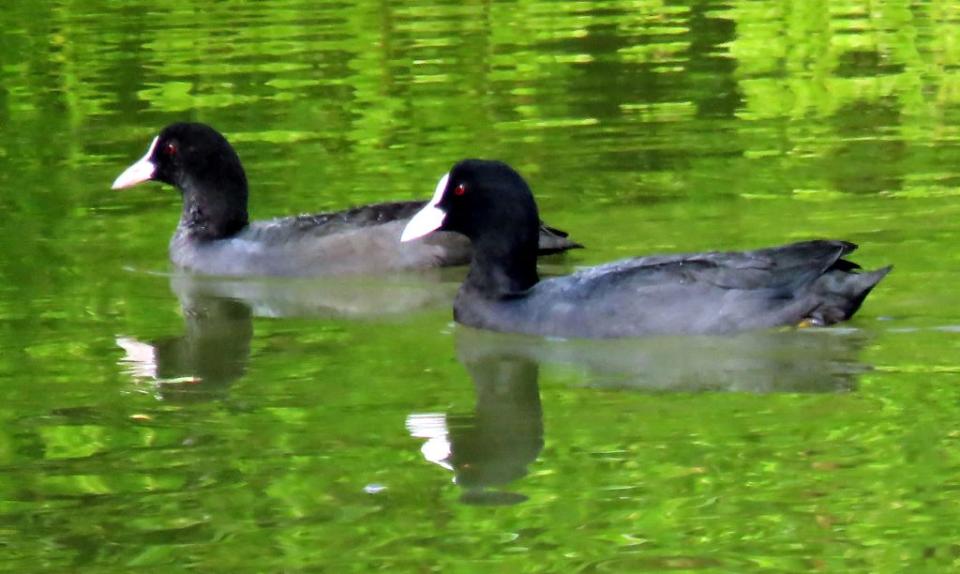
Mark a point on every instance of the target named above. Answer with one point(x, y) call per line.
point(213, 210)
point(504, 266)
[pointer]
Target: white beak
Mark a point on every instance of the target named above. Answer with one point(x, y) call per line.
point(428, 219)
point(138, 172)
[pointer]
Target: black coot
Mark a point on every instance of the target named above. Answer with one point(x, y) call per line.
point(216, 237)
point(806, 282)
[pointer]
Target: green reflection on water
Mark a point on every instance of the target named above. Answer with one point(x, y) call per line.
point(643, 126)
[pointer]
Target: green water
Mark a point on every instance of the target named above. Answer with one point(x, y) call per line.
point(157, 422)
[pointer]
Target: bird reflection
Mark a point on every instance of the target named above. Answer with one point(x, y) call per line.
point(350, 297)
point(495, 445)
point(492, 446)
point(218, 314)
point(355, 297)
point(794, 360)
point(203, 361)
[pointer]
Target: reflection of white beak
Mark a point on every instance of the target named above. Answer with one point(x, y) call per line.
point(138, 172)
point(140, 359)
point(433, 427)
point(428, 219)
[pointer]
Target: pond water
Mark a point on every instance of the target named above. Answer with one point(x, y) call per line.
point(155, 420)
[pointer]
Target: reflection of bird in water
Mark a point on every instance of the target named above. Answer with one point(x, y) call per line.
point(494, 445)
point(203, 361)
point(218, 314)
point(497, 442)
point(354, 297)
point(815, 360)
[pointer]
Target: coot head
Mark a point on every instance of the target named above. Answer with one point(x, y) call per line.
point(197, 160)
point(493, 206)
point(482, 199)
point(183, 152)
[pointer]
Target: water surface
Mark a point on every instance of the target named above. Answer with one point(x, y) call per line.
point(152, 420)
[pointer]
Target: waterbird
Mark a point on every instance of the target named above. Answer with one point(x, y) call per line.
point(216, 237)
point(804, 283)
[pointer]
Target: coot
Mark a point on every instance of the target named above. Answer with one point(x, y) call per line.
point(215, 236)
point(718, 292)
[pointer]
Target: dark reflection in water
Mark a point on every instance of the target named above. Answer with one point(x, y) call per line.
point(796, 361)
point(218, 314)
point(360, 297)
point(201, 363)
point(494, 445)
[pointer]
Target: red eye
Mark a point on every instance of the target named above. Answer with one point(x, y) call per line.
point(460, 190)
point(170, 149)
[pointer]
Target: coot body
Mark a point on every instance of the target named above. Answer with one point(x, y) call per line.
point(701, 293)
point(214, 235)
